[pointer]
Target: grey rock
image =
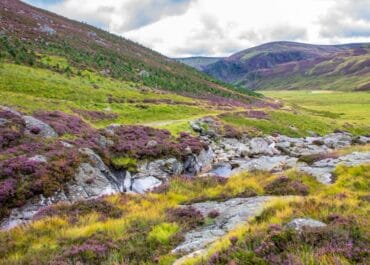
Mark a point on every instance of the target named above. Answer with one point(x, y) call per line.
point(337, 140)
point(152, 143)
point(143, 185)
point(299, 223)
point(38, 158)
point(222, 170)
point(45, 130)
point(47, 29)
point(268, 163)
point(161, 169)
point(13, 111)
point(260, 146)
point(322, 174)
point(232, 213)
point(3, 121)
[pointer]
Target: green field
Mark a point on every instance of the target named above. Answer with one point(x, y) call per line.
point(344, 109)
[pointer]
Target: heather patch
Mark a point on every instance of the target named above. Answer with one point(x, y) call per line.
point(286, 186)
point(64, 123)
point(188, 217)
point(12, 128)
point(24, 178)
point(96, 115)
point(146, 142)
point(74, 211)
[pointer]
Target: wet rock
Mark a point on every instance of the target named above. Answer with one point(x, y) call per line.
point(143, 185)
point(232, 213)
point(299, 223)
point(45, 130)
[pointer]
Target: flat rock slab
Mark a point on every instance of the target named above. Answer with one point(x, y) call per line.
point(232, 213)
point(322, 170)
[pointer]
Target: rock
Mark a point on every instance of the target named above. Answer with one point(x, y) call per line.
point(45, 130)
point(39, 159)
point(259, 146)
point(152, 143)
point(361, 140)
point(196, 126)
point(143, 185)
point(299, 223)
point(205, 159)
point(16, 113)
point(222, 170)
point(65, 144)
point(337, 140)
point(46, 29)
point(322, 170)
point(3, 121)
point(232, 213)
point(267, 163)
point(161, 168)
point(323, 175)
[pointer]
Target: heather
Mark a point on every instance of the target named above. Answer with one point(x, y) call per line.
point(146, 228)
point(23, 177)
point(146, 142)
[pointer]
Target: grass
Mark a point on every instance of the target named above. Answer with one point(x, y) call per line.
point(30, 89)
point(310, 111)
point(143, 234)
point(345, 109)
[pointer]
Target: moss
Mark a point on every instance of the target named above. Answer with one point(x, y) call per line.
point(126, 163)
point(163, 232)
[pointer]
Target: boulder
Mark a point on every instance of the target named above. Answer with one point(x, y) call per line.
point(299, 223)
point(45, 130)
point(260, 146)
point(232, 213)
point(161, 168)
point(268, 163)
point(143, 185)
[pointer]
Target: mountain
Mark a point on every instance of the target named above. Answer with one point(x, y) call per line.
point(26, 32)
point(290, 65)
point(198, 62)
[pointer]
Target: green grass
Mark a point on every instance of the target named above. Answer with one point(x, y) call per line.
point(32, 89)
point(344, 109)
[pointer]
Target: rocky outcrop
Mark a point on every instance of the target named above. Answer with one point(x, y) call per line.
point(43, 129)
point(232, 213)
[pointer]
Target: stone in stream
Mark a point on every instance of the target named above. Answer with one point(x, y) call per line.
point(232, 213)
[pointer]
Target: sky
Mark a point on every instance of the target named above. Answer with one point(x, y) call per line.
point(181, 28)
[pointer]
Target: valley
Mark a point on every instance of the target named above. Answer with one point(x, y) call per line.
point(113, 154)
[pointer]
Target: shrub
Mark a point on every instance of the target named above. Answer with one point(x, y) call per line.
point(162, 233)
point(286, 186)
point(12, 128)
point(188, 217)
point(145, 142)
point(213, 214)
point(81, 208)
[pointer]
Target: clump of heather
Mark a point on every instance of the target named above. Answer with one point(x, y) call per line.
point(23, 177)
point(145, 142)
point(310, 159)
point(73, 211)
point(64, 123)
point(92, 251)
point(286, 186)
point(96, 115)
point(188, 217)
point(12, 128)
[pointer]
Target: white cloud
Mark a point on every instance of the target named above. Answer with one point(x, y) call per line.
point(221, 27)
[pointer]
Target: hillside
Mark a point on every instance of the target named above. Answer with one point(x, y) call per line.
point(112, 154)
point(198, 63)
point(28, 32)
point(288, 65)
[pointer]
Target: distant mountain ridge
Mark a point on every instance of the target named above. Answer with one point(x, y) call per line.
point(291, 65)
